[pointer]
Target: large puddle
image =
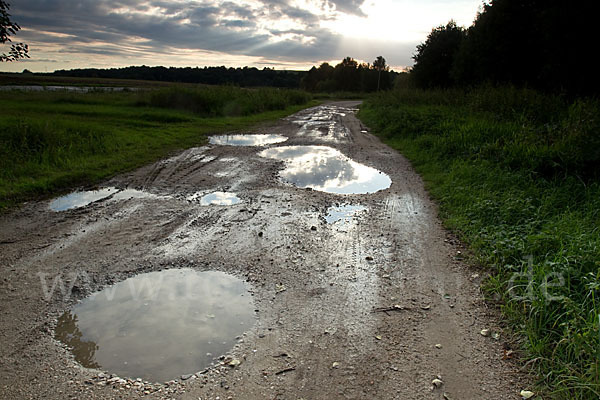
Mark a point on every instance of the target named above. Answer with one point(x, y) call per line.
point(160, 325)
point(81, 199)
point(246, 140)
point(326, 169)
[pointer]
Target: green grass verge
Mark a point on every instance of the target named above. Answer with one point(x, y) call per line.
point(53, 141)
point(516, 176)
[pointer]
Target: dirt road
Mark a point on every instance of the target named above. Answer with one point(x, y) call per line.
point(375, 306)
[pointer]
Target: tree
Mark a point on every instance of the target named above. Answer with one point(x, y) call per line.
point(544, 44)
point(8, 28)
point(379, 65)
point(435, 57)
point(347, 75)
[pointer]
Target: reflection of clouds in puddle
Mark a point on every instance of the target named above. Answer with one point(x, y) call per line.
point(160, 325)
point(215, 198)
point(342, 214)
point(80, 199)
point(326, 169)
point(323, 123)
point(246, 140)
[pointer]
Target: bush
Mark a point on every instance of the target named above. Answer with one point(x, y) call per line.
point(220, 101)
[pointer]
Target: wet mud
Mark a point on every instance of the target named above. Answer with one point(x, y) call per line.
point(348, 303)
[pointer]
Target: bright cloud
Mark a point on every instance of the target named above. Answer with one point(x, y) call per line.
point(293, 34)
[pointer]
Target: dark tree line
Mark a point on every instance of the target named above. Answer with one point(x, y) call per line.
point(244, 77)
point(349, 75)
point(543, 44)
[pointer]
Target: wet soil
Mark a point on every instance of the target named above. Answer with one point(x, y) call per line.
point(343, 312)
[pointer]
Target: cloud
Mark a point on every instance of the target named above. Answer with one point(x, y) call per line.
point(349, 6)
point(279, 30)
point(274, 30)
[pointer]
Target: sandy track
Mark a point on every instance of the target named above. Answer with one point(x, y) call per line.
point(324, 328)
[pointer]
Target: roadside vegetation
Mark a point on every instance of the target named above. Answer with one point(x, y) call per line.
point(53, 141)
point(502, 120)
point(516, 174)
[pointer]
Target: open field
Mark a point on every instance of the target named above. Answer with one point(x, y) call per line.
point(516, 175)
point(51, 141)
point(51, 80)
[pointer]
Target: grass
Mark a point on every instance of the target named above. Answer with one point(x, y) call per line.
point(516, 175)
point(54, 141)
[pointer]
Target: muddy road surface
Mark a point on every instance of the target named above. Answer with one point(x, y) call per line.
point(357, 290)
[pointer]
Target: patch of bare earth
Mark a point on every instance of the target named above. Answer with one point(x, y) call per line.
point(373, 308)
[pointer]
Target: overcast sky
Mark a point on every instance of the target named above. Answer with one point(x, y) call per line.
point(285, 34)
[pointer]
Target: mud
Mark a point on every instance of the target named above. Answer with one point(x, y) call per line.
point(343, 215)
point(352, 313)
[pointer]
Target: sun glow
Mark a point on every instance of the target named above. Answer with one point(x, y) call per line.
point(402, 20)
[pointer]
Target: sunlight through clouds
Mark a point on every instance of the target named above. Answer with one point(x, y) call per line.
point(291, 34)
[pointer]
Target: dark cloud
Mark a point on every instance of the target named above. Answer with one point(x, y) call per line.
point(128, 27)
point(38, 60)
point(348, 6)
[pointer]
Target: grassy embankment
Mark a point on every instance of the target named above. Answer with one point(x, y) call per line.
point(516, 174)
point(53, 141)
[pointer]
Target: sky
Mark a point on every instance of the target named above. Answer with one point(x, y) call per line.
point(281, 34)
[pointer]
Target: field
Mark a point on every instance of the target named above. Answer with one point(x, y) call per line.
point(51, 80)
point(516, 175)
point(54, 141)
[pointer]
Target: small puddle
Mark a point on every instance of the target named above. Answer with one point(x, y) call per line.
point(246, 140)
point(343, 214)
point(81, 199)
point(327, 169)
point(131, 194)
point(215, 198)
point(159, 325)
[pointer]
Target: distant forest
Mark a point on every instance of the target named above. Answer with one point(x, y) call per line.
point(541, 44)
point(351, 76)
point(244, 77)
point(348, 75)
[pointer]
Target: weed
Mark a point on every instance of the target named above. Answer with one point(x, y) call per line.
point(51, 141)
point(516, 175)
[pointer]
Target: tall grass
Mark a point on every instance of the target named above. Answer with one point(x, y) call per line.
point(52, 141)
point(516, 174)
point(219, 101)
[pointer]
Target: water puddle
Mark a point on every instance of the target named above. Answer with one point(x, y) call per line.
point(160, 325)
point(326, 169)
point(343, 214)
point(323, 123)
point(215, 198)
point(246, 140)
point(81, 199)
point(127, 194)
